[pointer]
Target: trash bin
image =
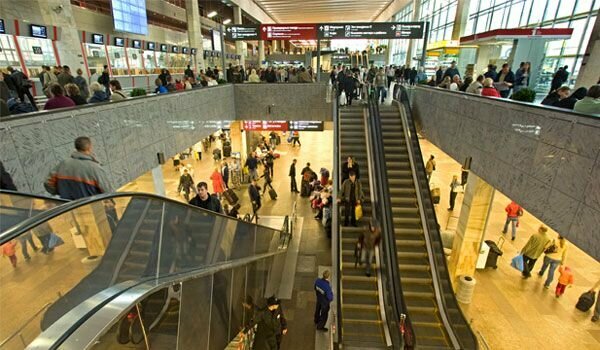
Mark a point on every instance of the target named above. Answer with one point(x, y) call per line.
point(466, 286)
point(495, 252)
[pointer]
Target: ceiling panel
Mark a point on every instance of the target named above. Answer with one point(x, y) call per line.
point(313, 11)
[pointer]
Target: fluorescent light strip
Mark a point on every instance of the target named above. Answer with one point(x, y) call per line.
point(227, 21)
point(211, 14)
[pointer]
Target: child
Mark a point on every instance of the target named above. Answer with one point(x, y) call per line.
point(9, 250)
point(565, 279)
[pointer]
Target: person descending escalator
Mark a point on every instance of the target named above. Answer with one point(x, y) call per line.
point(268, 326)
point(367, 243)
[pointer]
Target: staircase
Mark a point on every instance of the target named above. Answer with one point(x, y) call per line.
point(413, 259)
point(362, 327)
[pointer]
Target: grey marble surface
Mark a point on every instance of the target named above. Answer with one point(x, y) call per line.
point(546, 160)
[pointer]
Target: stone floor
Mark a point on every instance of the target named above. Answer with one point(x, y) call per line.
point(507, 311)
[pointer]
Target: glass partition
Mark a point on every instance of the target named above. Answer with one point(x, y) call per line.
point(8, 54)
point(150, 62)
point(118, 60)
point(15, 207)
point(178, 62)
point(113, 239)
point(135, 61)
point(161, 60)
point(36, 52)
point(96, 57)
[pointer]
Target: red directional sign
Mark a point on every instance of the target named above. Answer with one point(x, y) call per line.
point(288, 31)
point(265, 125)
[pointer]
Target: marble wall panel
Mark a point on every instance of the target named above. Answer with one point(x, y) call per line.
point(592, 190)
point(546, 162)
point(560, 211)
point(574, 174)
point(584, 230)
point(30, 138)
point(37, 166)
point(15, 169)
point(585, 139)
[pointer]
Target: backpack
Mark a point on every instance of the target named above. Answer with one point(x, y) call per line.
point(586, 301)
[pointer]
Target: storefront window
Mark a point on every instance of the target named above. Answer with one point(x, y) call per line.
point(8, 54)
point(178, 62)
point(36, 52)
point(150, 62)
point(135, 61)
point(96, 57)
point(118, 60)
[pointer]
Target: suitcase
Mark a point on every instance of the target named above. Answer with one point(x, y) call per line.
point(278, 140)
point(586, 301)
point(227, 151)
point(231, 197)
point(305, 189)
point(435, 195)
point(273, 194)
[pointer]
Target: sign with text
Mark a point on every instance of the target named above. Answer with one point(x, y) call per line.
point(298, 125)
point(265, 125)
point(239, 32)
point(288, 31)
point(385, 30)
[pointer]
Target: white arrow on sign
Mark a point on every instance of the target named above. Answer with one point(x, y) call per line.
point(393, 27)
point(321, 28)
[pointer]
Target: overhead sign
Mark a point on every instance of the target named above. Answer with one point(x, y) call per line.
point(239, 32)
point(265, 125)
point(381, 30)
point(297, 125)
point(288, 31)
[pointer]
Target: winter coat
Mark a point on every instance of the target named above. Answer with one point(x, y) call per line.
point(218, 183)
point(212, 203)
point(346, 189)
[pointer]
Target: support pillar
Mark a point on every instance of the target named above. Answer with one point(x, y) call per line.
point(239, 45)
point(460, 19)
point(195, 33)
point(69, 45)
point(158, 180)
point(261, 52)
point(472, 223)
point(590, 67)
point(411, 42)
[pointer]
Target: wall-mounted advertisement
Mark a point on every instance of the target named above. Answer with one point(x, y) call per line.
point(216, 40)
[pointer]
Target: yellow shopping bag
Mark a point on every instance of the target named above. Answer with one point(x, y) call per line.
point(358, 212)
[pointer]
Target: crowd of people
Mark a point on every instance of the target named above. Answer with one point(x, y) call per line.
point(270, 74)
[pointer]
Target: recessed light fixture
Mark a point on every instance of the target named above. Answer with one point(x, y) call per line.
point(227, 21)
point(211, 14)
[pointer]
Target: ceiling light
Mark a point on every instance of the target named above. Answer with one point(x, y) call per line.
point(227, 21)
point(211, 14)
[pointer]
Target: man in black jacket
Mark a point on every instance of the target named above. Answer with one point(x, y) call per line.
point(204, 199)
point(292, 175)
point(254, 193)
point(6, 181)
point(507, 78)
point(451, 71)
point(270, 75)
point(22, 85)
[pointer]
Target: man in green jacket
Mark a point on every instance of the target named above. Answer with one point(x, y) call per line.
point(351, 195)
point(533, 249)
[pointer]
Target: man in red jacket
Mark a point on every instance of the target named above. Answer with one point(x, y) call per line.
point(513, 211)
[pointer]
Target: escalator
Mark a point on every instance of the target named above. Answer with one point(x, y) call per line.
point(362, 325)
point(15, 207)
point(436, 319)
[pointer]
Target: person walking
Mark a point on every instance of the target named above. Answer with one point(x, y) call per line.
point(454, 188)
point(564, 280)
point(282, 324)
point(555, 255)
point(270, 162)
point(186, 183)
point(22, 85)
point(367, 242)
point(23, 239)
point(82, 84)
point(505, 80)
point(324, 298)
point(379, 83)
point(513, 212)
point(9, 250)
point(80, 175)
point(596, 315)
point(532, 250)
point(292, 175)
point(104, 80)
point(65, 77)
point(296, 138)
point(268, 180)
point(217, 182)
point(268, 326)
point(351, 195)
point(205, 200)
point(430, 167)
point(252, 164)
point(225, 174)
point(254, 193)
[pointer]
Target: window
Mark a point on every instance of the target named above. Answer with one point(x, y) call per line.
point(8, 55)
point(551, 8)
point(36, 52)
point(584, 6)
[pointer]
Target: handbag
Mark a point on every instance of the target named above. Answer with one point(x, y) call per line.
point(55, 241)
point(517, 262)
point(552, 248)
point(358, 212)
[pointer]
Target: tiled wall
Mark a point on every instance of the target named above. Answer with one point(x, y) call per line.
point(547, 161)
point(126, 135)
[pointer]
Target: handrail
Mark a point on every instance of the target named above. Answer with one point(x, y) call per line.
point(388, 236)
point(33, 196)
point(50, 214)
point(25, 324)
point(101, 309)
point(336, 242)
point(432, 231)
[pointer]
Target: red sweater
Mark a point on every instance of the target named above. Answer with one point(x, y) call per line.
point(59, 102)
point(490, 92)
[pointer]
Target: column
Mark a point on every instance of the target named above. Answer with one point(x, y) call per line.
point(470, 231)
point(195, 32)
point(461, 19)
point(261, 52)
point(158, 180)
point(69, 45)
point(411, 42)
point(590, 67)
point(529, 50)
point(239, 45)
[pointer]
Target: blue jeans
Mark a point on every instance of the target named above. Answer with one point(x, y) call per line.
point(514, 221)
point(553, 266)
point(24, 239)
point(380, 93)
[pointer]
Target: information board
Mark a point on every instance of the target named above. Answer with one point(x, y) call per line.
point(130, 16)
point(298, 125)
point(381, 30)
point(265, 125)
point(239, 32)
point(288, 31)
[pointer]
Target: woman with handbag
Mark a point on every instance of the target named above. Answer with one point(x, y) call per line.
point(555, 255)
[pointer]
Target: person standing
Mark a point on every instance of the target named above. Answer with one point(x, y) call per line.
point(9, 250)
point(454, 188)
point(522, 76)
point(292, 175)
point(252, 164)
point(451, 71)
point(350, 165)
point(65, 77)
point(351, 195)
point(217, 182)
point(48, 78)
point(22, 85)
point(82, 84)
point(104, 80)
point(596, 316)
point(205, 200)
point(324, 298)
point(282, 323)
point(564, 280)
point(439, 75)
point(270, 162)
point(268, 180)
point(225, 174)
point(380, 82)
point(254, 193)
point(268, 326)
point(186, 183)
point(506, 80)
point(368, 241)
point(430, 167)
point(513, 211)
point(188, 73)
point(555, 255)
point(532, 250)
point(80, 175)
point(491, 72)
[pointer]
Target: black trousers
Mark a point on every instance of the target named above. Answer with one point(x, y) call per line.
point(528, 264)
point(25, 91)
point(294, 140)
point(452, 199)
point(293, 184)
point(349, 213)
point(265, 187)
point(321, 314)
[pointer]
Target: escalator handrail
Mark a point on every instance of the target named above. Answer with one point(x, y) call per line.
point(336, 242)
point(33, 196)
point(431, 232)
point(90, 318)
point(387, 229)
point(50, 214)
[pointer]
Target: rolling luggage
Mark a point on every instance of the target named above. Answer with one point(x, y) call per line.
point(435, 195)
point(586, 301)
point(273, 194)
point(230, 196)
point(278, 140)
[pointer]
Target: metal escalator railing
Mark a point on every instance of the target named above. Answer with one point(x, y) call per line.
point(15, 207)
point(459, 330)
point(336, 242)
point(396, 312)
point(115, 238)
